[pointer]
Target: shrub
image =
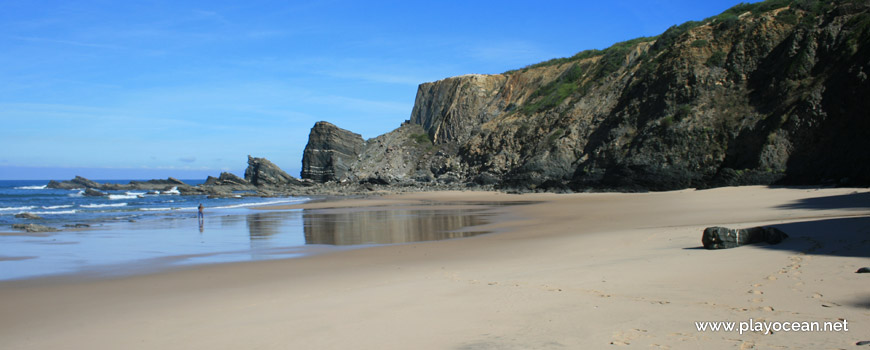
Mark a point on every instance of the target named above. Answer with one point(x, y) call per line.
point(422, 139)
point(700, 43)
point(717, 59)
point(682, 112)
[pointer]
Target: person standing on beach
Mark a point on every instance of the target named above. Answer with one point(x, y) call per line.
point(200, 215)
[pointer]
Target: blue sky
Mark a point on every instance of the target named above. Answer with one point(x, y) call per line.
point(151, 89)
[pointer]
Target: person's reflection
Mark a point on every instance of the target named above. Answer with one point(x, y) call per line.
point(201, 226)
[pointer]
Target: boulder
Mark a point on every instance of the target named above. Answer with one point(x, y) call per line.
point(90, 192)
point(330, 152)
point(723, 238)
point(33, 228)
point(262, 172)
point(28, 216)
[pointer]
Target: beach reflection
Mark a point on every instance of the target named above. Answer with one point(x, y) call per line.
point(387, 226)
point(364, 226)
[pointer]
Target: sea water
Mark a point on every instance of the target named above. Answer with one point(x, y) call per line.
point(70, 207)
point(127, 231)
point(131, 232)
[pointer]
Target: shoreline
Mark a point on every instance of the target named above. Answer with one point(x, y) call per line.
point(568, 270)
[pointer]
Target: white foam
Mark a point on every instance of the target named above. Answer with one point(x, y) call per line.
point(54, 212)
point(58, 207)
point(114, 205)
point(115, 197)
point(16, 208)
point(174, 190)
point(167, 209)
point(256, 204)
point(81, 193)
point(31, 187)
point(157, 209)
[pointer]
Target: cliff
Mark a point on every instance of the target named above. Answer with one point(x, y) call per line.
point(772, 92)
point(330, 152)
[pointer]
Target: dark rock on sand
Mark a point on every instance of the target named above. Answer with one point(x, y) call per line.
point(90, 192)
point(863, 270)
point(330, 152)
point(33, 228)
point(28, 216)
point(723, 238)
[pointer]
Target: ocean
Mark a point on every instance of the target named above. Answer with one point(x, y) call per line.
point(133, 232)
point(70, 207)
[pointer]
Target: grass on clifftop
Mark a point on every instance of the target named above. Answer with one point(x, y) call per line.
point(613, 58)
point(814, 7)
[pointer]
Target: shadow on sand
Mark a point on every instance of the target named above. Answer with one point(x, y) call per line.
point(856, 201)
point(847, 237)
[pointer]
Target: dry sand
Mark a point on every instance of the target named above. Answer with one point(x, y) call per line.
point(568, 272)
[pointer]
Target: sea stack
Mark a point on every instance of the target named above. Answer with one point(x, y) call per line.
point(330, 152)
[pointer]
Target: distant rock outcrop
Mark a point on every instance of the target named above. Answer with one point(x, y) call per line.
point(28, 216)
point(82, 183)
point(76, 183)
point(330, 152)
point(261, 172)
point(226, 179)
point(34, 228)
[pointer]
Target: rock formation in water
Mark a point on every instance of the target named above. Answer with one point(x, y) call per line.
point(263, 173)
point(330, 152)
point(82, 183)
point(771, 92)
point(226, 179)
point(33, 228)
point(76, 183)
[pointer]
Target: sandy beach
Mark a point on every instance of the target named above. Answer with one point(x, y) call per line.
point(573, 271)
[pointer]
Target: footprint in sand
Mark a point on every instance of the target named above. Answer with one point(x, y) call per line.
point(747, 345)
point(625, 338)
point(756, 292)
point(817, 296)
point(771, 278)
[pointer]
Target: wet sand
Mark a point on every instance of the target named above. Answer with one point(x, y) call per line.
point(567, 271)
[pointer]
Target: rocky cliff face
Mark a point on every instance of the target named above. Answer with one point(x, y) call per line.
point(330, 152)
point(263, 173)
point(772, 92)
